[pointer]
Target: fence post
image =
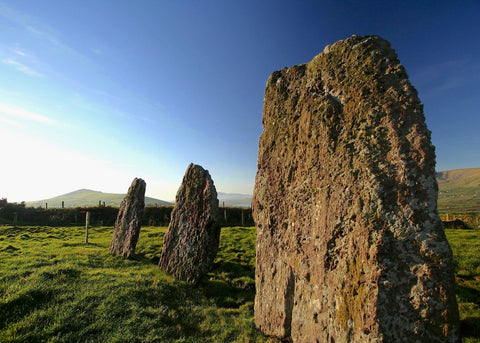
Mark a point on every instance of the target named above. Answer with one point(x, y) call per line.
point(63, 204)
point(15, 218)
point(87, 224)
point(46, 205)
point(224, 212)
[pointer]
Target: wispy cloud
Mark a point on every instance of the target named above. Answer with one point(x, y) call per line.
point(21, 67)
point(47, 34)
point(9, 111)
point(10, 122)
point(44, 33)
point(98, 51)
point(101, 108)
point(40, 31)
point(19, 52)
point(448, 75)
point(28, 23)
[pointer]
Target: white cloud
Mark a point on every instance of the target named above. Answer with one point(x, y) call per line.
point(20, 52)
point(10, 122)
point(17, 112)
point(22, 67)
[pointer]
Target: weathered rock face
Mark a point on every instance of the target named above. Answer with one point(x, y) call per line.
point(350, 247)
point(191, 242)
point(129, 220)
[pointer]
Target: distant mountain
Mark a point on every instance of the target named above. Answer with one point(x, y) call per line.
point(234, 200)
point(459, 190)
point(87, 197)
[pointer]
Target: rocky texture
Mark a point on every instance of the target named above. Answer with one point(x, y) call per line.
point(129, 221)
point(191, 242)
point(350, 247)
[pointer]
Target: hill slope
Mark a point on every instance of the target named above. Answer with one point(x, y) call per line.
point(459, 190)
point(87, 197)
point(234, 200)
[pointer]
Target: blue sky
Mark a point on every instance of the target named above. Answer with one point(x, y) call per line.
point(95, 93)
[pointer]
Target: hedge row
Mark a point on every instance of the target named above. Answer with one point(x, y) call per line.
point(11, 213)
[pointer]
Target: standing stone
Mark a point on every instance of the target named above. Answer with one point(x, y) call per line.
point(129, 221)
point(191, 242)
point(350, 246)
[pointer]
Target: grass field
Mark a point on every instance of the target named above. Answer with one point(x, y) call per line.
point(459, 190)
point(465, 245)
point(54, 288)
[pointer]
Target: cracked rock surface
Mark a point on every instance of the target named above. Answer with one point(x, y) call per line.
point(191, 242)
point(350, 247)
point(129, 221)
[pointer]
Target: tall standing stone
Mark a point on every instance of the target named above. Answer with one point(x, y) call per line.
point(350, 247)
point(129, 220)
point(191, 242)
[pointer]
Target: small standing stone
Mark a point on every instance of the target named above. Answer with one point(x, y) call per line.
point(191, 242)
point(129, 220)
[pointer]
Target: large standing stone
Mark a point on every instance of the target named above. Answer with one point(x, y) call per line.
point(350, 247)
point(129, 220)
point(191, 242)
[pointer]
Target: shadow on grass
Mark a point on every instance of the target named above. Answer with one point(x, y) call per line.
point(61, 274)
point(228, 285)
point(22, 305)
point(39, 233)
point(82, 244)
point(467, 294)
point(147, 258)
point(19, 230)
point(173, 304)
point(28, 230)
point(470, 327)
point(165, 307)
point(233, 269)
point(226, 294)
point(10, 249)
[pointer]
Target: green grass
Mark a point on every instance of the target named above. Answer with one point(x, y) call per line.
point(459, 190)
point(465, 246)
point(54, 288)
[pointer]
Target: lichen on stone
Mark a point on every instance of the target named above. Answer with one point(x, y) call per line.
point(191, 242)
point(129, 220)
point(345, 201)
